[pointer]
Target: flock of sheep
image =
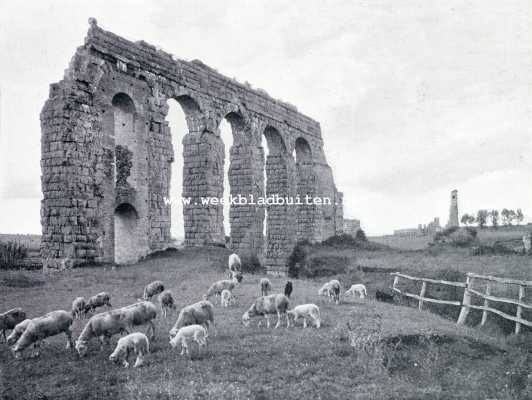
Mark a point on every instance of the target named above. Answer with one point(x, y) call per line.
point(193, 323)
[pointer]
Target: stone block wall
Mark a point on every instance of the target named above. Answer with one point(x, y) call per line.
point(81, 129)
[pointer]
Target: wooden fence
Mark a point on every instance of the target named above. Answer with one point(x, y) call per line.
point(465, 304)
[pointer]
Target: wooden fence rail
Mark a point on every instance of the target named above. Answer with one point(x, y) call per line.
point(465, 304)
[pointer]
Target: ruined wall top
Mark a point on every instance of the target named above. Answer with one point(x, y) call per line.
point(139, 58)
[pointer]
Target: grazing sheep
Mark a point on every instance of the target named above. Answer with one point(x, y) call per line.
point(217, 287)
point(288, 289)
point(135, 342)
point(265, 286)
point(99, 300)
point(109, 323)
point(17, 332)
point(227, 298)
point(383, 296)
point(266, 305)
point(311, 311)
point(357, 288)
point(78, 307)
point(39, 328)
point(234, 264)
point(10, 319)
point(166, 301)
point(200, 313)
point(198, 333)
point(152, 289)
point(332, 290)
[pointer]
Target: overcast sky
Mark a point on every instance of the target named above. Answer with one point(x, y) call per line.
point(415, 98)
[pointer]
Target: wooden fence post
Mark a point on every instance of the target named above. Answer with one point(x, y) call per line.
point(422, 294)
point(395, 282)
point(486, 304)
point(519, 309)
point(465, 302)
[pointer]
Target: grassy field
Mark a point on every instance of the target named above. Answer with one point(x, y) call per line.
point(407, 354)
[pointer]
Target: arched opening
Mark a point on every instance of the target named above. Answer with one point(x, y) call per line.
point(125, 140)
point(226, 135)
point(177, 123)
point(302, 151)
point(126, 234)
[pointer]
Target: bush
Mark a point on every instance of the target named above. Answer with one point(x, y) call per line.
point(342, 240)
point(361, 236)
point(252, 265)
point(459, 237)
point(324, 266)
point(297, 258)
point(11, 253)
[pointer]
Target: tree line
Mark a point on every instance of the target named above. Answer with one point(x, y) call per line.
point(506, 217)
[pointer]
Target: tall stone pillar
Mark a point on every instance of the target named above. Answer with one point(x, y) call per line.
point(308, 215)
point(281, 218)
point(453, 210)
point(246, 180)
point(203, 157)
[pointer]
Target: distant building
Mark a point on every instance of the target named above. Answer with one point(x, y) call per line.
point(453, 210)
point(351, 226)
point(422, 230)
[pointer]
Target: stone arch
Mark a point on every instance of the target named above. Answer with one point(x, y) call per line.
point(276, 144)
point(126, 234)
point(123, 102)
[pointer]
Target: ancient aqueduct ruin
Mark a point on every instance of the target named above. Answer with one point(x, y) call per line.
point(107, 154)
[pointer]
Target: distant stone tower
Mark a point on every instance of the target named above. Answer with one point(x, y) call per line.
point(453, 211)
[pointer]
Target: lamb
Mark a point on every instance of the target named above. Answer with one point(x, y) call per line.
point(99, 300)
point(357, 288)
point(39, 328)
point(265, 286)
point(109, 323)
point(10, 319)
point(311, 311)
point(227, 298)
point(383, 296)
point(234, 264)
point(332, 290)
point(200, 313)
point(78, 307)
point(265, 305)
point(152, 289)
point(288, 289)
point(136, 342)
point(17, 331)
point(198, 333)
point(217, 287)
point(166, 301)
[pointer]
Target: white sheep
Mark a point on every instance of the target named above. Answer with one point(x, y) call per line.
point(195, 332)
point(166, 301)
point(99, 300)
point(152, 289)
point(359, 289)
point(234, 264)
point(17, 331)
point(227, 298)
point(39, 328)
point(217, 287)
point(266, 305)
point(200, 313)
point(311, 311)
point(135, 342)
point(78, 307)
point(265, 286)
point(332, 290)
point(109, 323)
point(10, 319)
